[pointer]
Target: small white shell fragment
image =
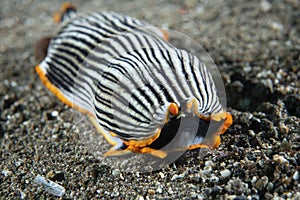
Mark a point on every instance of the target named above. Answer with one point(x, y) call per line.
point(50, 186)
point(225, 173)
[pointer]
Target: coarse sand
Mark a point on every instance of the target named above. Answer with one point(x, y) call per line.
point(256, 46)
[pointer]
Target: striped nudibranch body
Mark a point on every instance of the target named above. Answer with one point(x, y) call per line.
point(129, 80)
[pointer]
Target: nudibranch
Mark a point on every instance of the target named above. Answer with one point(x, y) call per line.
point(133, 84)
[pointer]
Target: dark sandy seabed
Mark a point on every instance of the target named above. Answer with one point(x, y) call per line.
point(255, 44)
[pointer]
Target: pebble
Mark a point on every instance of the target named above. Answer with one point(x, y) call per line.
point(140, 197)
point(7, 172)
point(151, 191)
point(265, 6)
point(277, 26)
point(225, 173)
point(159, 190)
point(208, 163)
point(22, 195)
point(251, 133)
point(268, 196)
point(115, 192)
point(177, 176)
point(54, 113)
point(116, 173)
point(214, 179)
point(262, 183)
point(254, 179)
point(223, 164)
point(207, 172)
point(236, 185)
point(270, 186)
point(170, 191)
point(279, 159)
point(161, 175)
point(296, 176)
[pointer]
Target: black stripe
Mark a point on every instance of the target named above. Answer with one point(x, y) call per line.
point(193, 75)
point(97, 24)
point(109, 115)
point(54, 80)
point(77, 40)
point(62, 57)
point(71, 53)
point(142, 104)
point(60, 77)
point(157, 96)
point(104, 88)
point(91, 28)
point(54, 59)
point(77, 32)
point(204, 83)
point(148, 99)
point(111, 77)
point(140, 113)
point(71, 63)
point(129, 61)
point(69, 49)
point(166, 94)
point(103, 101)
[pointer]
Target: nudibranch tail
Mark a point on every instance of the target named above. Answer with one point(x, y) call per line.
point(67, 11)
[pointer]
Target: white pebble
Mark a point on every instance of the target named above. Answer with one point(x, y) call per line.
point(174, 177)
point(161, 175)
point(265, 6)
point(170, 191)
point(207, 172)
point(214, 179)
point(254, 179)
point(225, 173)
point(54, 113)
point(209, 163)
point(116, 172)
point(139, 197)
point(159, 190)
point(277, 26)
point(296, 176)
point(251, 133)
point(22, 195)
point(6, 172)
point(13, 84)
